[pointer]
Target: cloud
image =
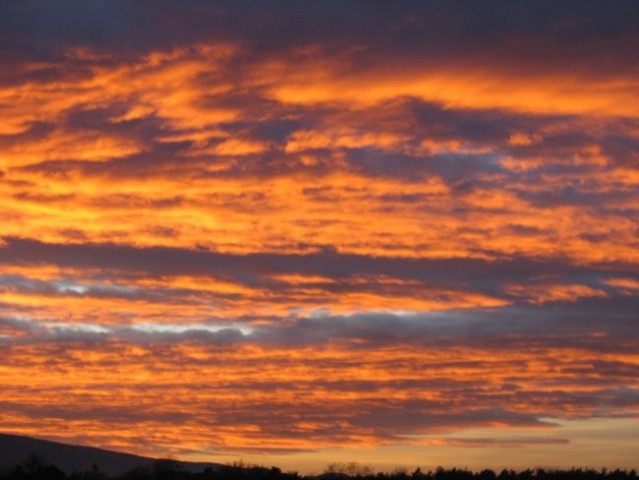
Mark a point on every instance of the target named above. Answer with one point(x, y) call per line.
point(354, 386)
point(282, 228)
point(500, 442)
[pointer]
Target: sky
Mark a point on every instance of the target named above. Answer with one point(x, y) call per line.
point(297, 233)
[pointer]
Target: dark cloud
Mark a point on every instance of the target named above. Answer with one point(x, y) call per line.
point(414, 24)
point(587, 325)
point(176, 261)
point(258, 270)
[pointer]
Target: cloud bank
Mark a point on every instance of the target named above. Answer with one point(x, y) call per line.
point(284, 228)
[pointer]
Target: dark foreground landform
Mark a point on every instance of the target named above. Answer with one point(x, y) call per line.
point(172, 470)
point(25, 458)
point(33, 455)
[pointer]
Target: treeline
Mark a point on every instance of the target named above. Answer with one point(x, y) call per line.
point(172, 470)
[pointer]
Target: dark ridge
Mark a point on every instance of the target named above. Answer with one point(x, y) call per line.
point(16, 450)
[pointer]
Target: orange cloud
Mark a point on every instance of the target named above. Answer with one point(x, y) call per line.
point(310, 80)
point(225, 244)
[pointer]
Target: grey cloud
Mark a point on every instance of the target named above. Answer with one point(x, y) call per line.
point(255, 269)
point(585, 325)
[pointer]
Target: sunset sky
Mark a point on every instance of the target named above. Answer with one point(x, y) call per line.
point(300, 232)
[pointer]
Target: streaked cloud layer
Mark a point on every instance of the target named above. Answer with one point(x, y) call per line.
point(279, 230)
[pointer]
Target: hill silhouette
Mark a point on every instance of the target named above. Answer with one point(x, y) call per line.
point(15, 449)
